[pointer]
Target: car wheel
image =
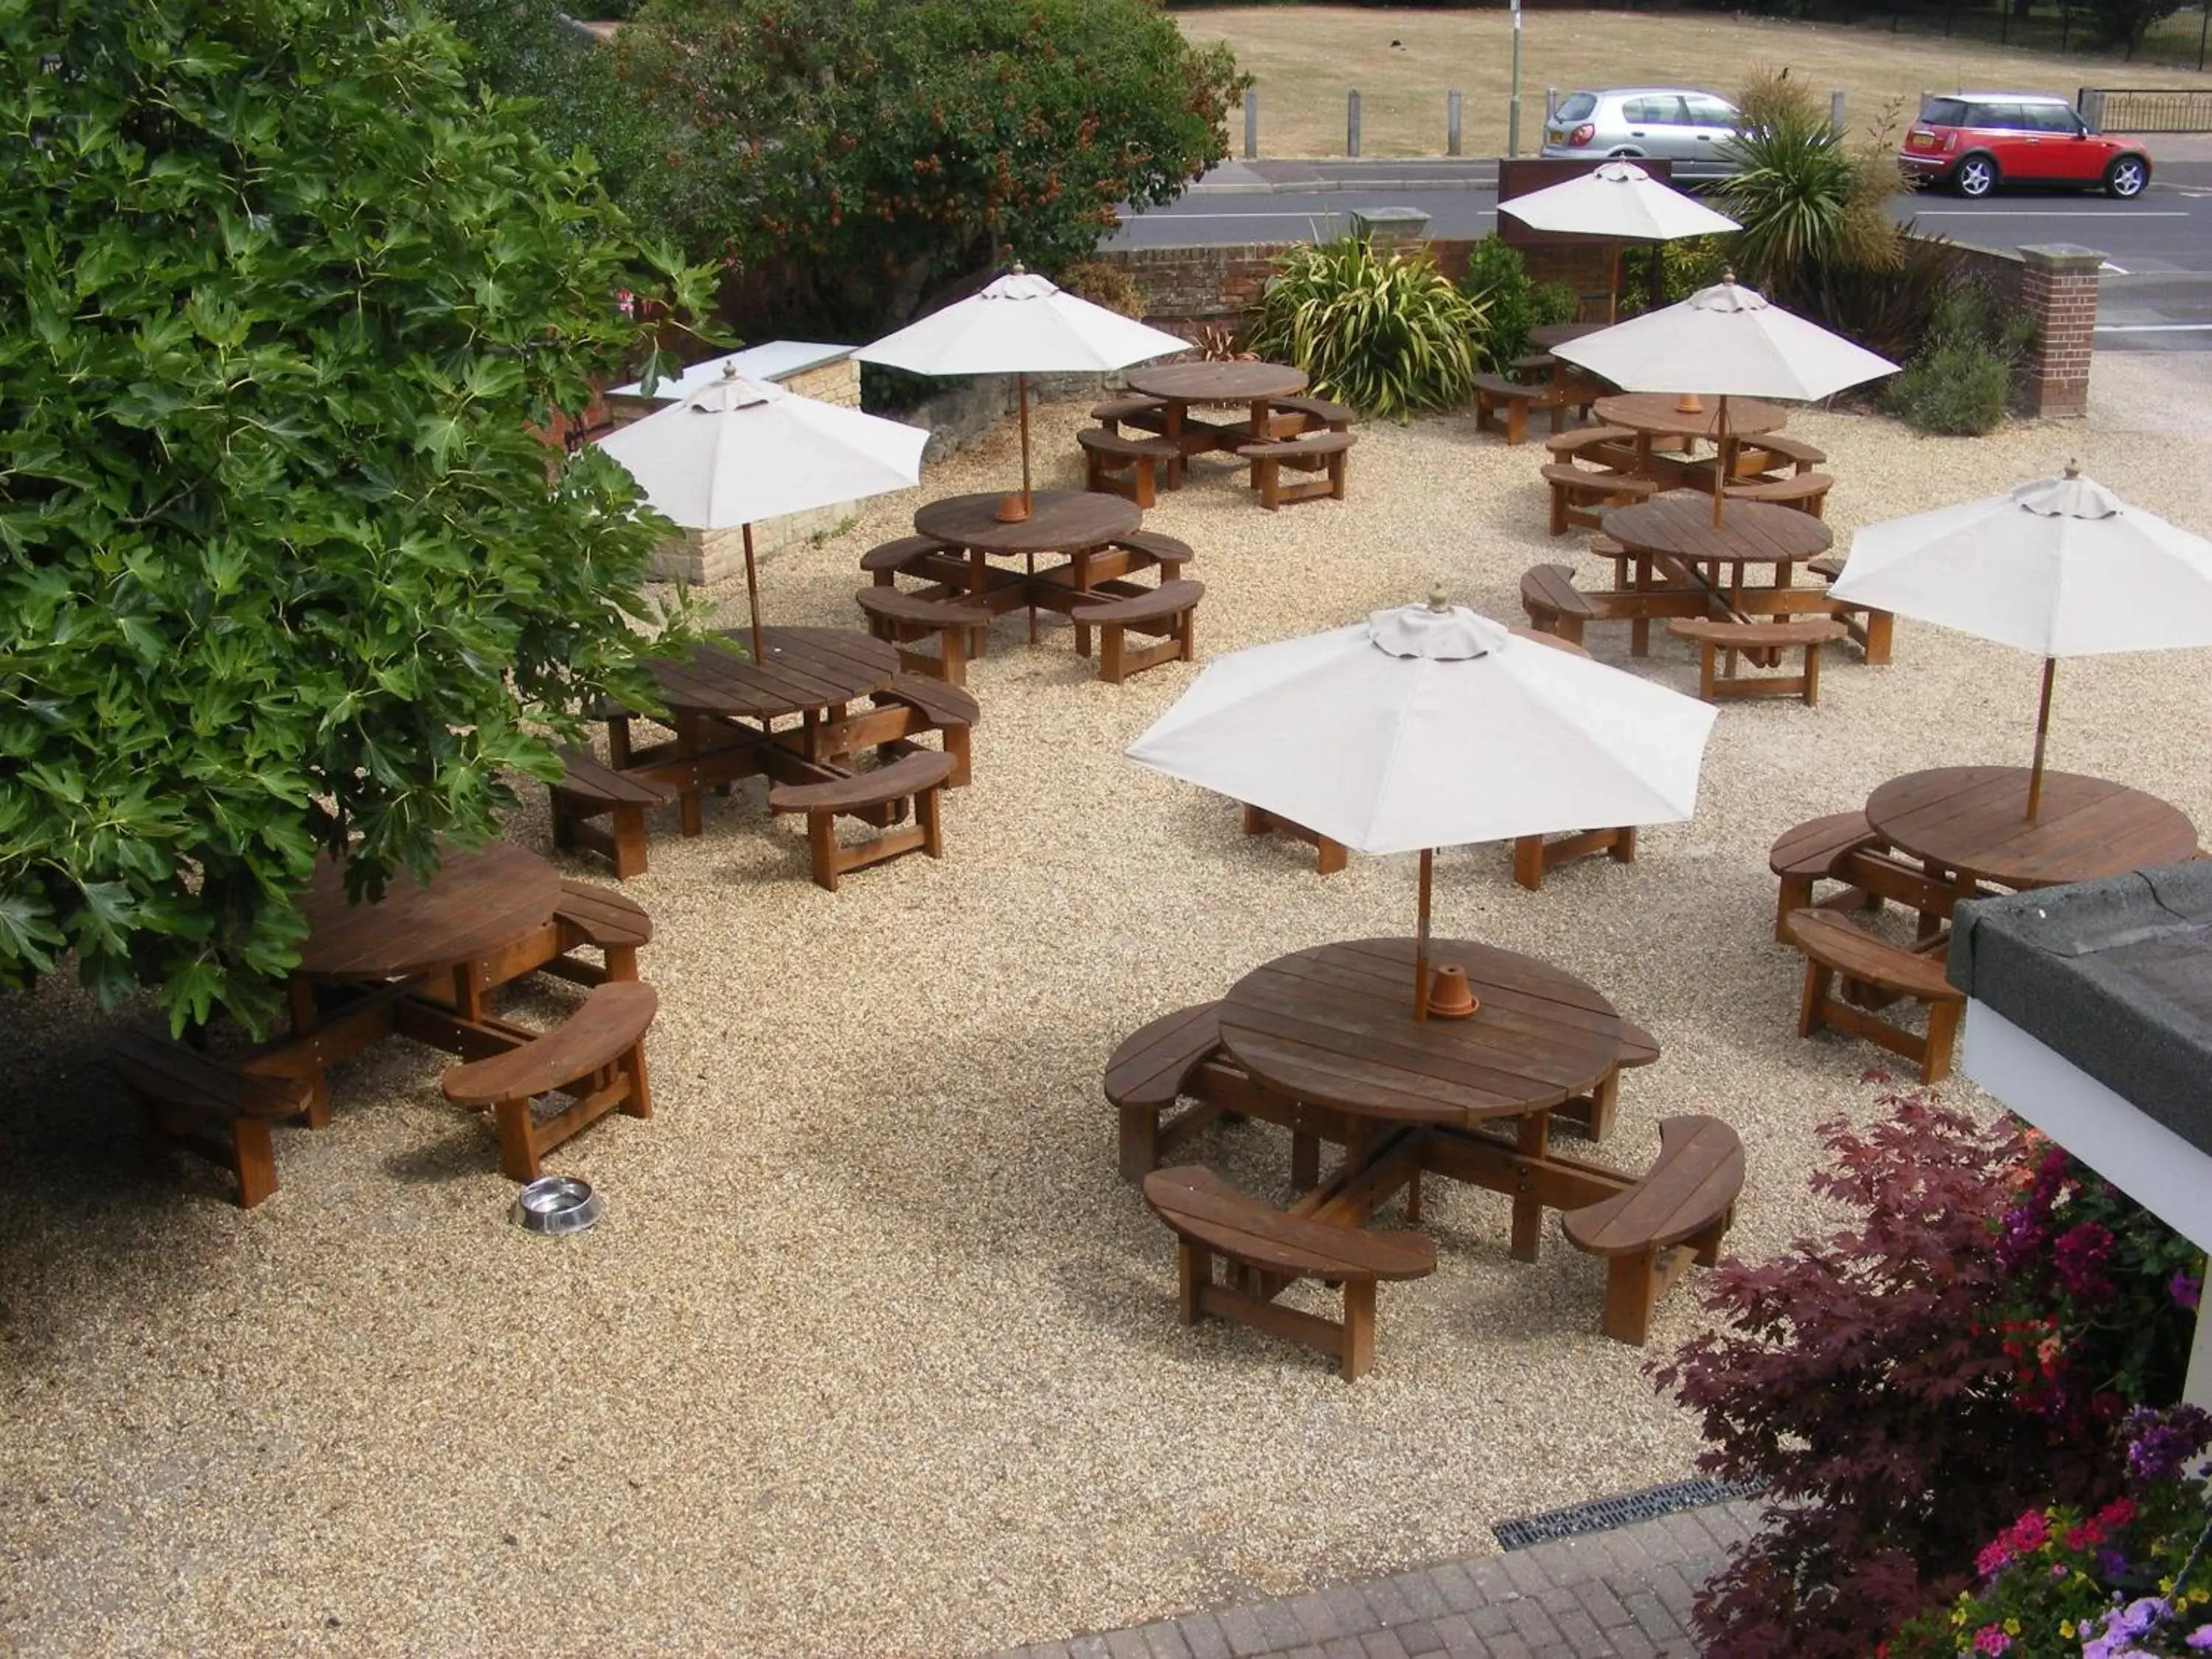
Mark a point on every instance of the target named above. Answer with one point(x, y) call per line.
point(1975, 177)
point(2126, 177)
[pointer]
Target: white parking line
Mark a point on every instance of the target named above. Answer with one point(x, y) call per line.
point(2155, 328)
point(2059, 213)
point(2117, 271)
point(1291, 213)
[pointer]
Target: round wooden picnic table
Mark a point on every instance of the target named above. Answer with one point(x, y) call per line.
point(1333, 1026)
point(1216, 382)
point(1750, 532)
point(803, 671)
point(1654, 415)
point(1971, 824)
point(1546, 336)
point(1060, 521)
point(475, 904)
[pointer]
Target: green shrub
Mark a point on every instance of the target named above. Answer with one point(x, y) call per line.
point(1388, 333)
point(1959, 383)
point(1685, 264)
point(1497, 281)
point(1104, 284)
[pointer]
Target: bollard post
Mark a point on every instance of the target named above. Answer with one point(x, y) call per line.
point(1835, 106)
point(1251, 123)
point(1551, 102)
point(1352, 124)
point(1451, 124)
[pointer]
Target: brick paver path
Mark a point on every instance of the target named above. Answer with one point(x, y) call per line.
point(1619, 1595)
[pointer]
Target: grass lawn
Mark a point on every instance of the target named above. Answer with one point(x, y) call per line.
point(1305, 57)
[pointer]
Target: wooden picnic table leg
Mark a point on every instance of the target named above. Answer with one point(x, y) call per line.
point(1534, 1141)
point(299, 998)
point(1079, 576)
point(1171, 429)
point(688, 819)
point(1639, 629)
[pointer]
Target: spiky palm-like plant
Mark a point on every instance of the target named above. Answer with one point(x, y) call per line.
point(1388, 333)
point(1813, 208)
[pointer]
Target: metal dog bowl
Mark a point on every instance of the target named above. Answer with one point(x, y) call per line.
point(558, 1203)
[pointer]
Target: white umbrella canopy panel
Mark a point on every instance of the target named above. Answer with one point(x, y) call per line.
point(2062, 566)
point(1429, 726)
point(1731, 341)
point(1021, 325)
point(1621, 201)
point(740, 451)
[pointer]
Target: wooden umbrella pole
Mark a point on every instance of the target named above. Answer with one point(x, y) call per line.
point(1021, 399)
point(1421, 940)
point(2042, 735)
point(1612, 293)
point(752, 597)
point(1721, 461)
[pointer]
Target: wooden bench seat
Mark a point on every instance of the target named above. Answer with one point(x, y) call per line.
point(1534, 854)
point(1592, 1114)
point(1556, 605)
point(596, 1057)
point(615, 925)
point(1315, 413)
point(908, 555)
point(1582, 495)
point(1807, 492)
point(951, 711)
point(1323, 451)
point(589, 790)
point(1834, 945)
point(1117, 464)
point(1612, 447)
point(1150, 1071)
point(1170, 553)
point(202, 1106)
point(1678, 1213)
point(1712, 637)
point(904, 618)
point(1494, 392)
point(921, 774)
point(1871, 630)
point(1211, 1218)
point(1814, 852)
point(1148, 414)
point(1169, 611)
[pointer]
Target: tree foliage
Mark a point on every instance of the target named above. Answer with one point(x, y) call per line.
point(856, 158)
point(1813, 209)
point(283, 567)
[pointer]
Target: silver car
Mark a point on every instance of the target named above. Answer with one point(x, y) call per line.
point(1690, 129)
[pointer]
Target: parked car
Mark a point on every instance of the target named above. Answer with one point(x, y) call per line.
point(1975, 141)
point(1690, 129)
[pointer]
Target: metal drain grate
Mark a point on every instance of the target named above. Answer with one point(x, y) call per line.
point(1603, 1513)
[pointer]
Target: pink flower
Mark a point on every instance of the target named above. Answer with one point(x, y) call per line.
point(1995, 1556)
point(1990, 1639)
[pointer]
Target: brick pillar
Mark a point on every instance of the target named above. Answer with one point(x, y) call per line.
point(2058, 291)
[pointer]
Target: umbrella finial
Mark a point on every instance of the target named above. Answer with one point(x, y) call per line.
point(1439, 601)
point(729, 369)
point(2074, 468)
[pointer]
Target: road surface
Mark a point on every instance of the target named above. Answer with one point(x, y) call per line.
point(2156, 292)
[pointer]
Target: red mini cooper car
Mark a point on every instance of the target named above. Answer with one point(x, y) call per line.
point(1976, 141)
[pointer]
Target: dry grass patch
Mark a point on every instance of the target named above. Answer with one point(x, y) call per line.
point(1305, 57)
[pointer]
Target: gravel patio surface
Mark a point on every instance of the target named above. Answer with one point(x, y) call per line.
point(873, 1353)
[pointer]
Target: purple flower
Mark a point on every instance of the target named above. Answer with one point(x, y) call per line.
point(2199, 1638)
point(2161, 1442)
point(2183, 1289)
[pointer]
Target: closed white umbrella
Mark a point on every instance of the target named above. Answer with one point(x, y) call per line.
point(1620, 200)
point(738, 451)
point(2062, 566)
point(1428, 726)
point(1729, 340)
point(1021, 325)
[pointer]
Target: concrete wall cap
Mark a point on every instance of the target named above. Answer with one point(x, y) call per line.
point(2063, 256)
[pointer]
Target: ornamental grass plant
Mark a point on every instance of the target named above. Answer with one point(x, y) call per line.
point(1385, 333)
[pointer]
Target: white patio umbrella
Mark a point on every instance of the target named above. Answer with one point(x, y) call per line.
point(1728, 340)
point(1021, 325)
point(2062, 566)
point(1621, 201)
point(1429, 726)
point(740, 451)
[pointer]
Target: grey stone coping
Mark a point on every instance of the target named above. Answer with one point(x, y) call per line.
point(2115, 976)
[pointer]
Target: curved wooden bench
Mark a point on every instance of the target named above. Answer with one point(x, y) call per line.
point(904, 618)
point(1580, 495)
point(1593, 1113)
point(907, 555)
point(596, 1056)
point(202, 1106)
point(1211, 1218)
point(616, 926)
point(1807, 492)
point(921, 775)
point(1493, 392)
point(1317, 413)
point(1322, 450)
point(1116, 463)
point(1872, 630)
point(1712, 637)
point(1554, 604)
point(589, 790)
point(1616, 442)
point(1812, 852)
point(1169, 610)
point(1169, 553)
point(1148, 414)
point(951, 711)
point(1832, 946)
point(1678, 1213)
point(1151, 1070)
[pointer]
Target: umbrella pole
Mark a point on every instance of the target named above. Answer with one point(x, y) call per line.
point(2042, 733)
point(1721, 467)
point(752, 596)
point(1015, 509)
point(1421, 940)
point(1613, 291)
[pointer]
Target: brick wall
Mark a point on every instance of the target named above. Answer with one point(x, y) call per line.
point(2058, 289)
